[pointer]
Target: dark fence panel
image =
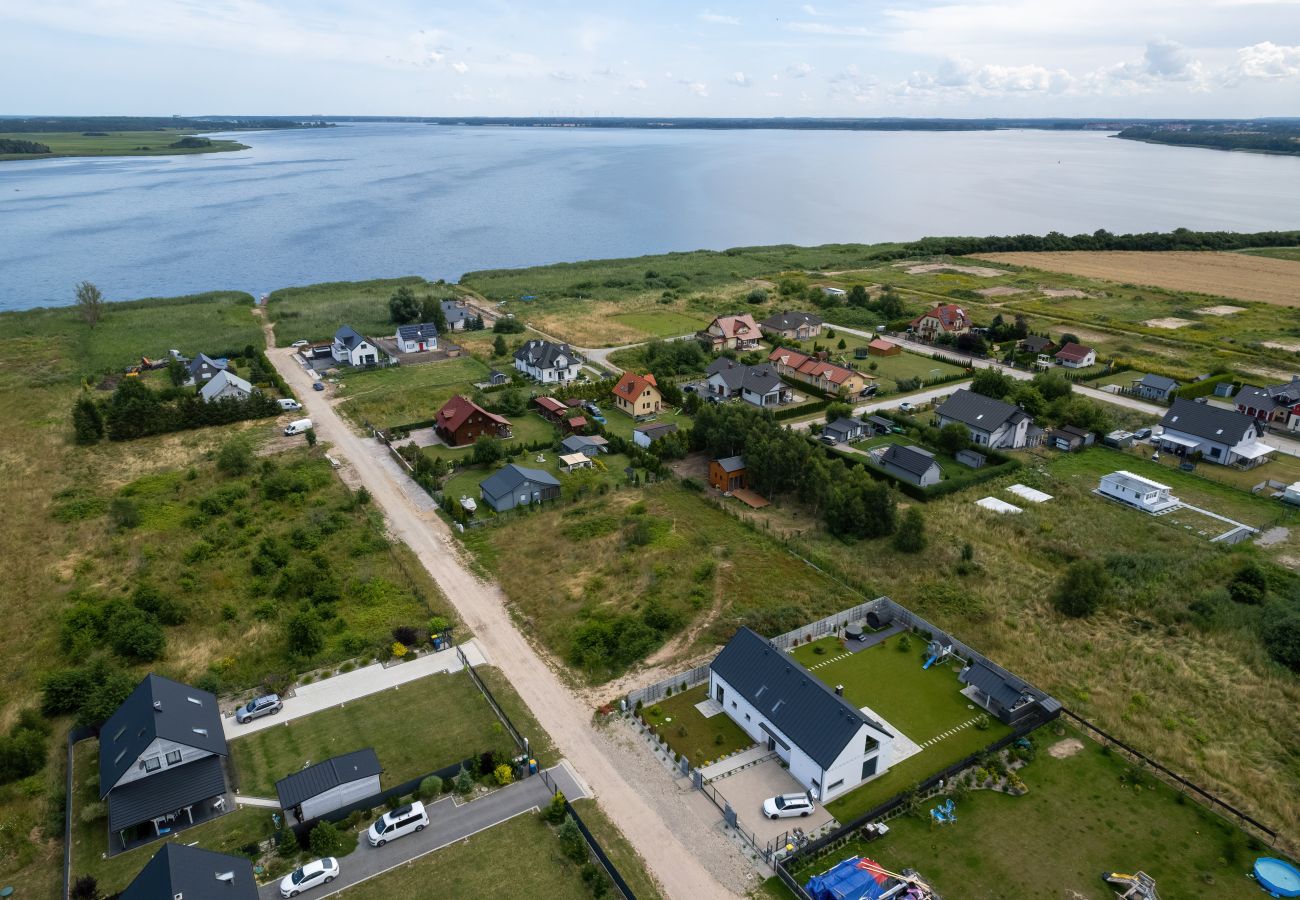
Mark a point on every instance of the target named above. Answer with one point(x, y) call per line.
point(596, 850)
point(78, 734)
point(520, 741)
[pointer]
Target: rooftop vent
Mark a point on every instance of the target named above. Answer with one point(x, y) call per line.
point(839, 690)
point(227, 877)
point(157, 705)
point(195, 700)
point(202, 731)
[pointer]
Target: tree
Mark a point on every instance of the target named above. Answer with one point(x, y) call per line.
point(235, 457)
point(838, 411)
point(572, 842)
point(992, 383)
point(1083, 588)
point(858, 296)
point(1067, 338)
point(327, 840)
point(431, 311)
point(499, 347)
point(87, 421)
point(90, 303)
point(1249, 584)
point(310, 434)
point(464, 782)
point(403, 306)
point(487, 450)
point(177, 374)
point(303, 631)
point(953, 438)
point(137, 638)
point(84, 888)
point(889, 305)
point(1281, 636)
point(1052, 385)
point(910, 537)
point(841, 345)
point(757, 296)
point(430, 787)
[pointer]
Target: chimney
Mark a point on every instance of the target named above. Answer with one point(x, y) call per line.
point(839, 690)
point(157, 706)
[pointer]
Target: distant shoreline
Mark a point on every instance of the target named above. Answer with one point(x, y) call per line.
point(88, 137)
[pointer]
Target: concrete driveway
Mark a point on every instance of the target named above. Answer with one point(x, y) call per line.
point(448, 823)
point(746, 790)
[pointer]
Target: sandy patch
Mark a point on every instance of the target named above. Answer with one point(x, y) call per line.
point(1275, 535)
point(1063, 292)
point(1066, 748)
point(1292, 346)
point(1220, 310)
point(1001, 290)
point(927, 268)
point(1168, 322)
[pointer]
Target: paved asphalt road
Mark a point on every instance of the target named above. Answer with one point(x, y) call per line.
point(448, 823)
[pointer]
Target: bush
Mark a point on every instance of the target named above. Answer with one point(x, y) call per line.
point(85, 887)
point(123, 513)
point(503, 774)
point(1083, 588)
point(904, 643)
point(137, 638)
point(430, 787)
point(464, 782)
point(910, 537)
point(1249, 585)
point(1281, 636)
point(235, 457)
point(87, 422)
point(327, 840)
point(572, 843)
point(554, 811)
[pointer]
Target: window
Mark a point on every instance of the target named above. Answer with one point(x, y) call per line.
point(152, 764)
point(746, 717)
point(839, 783)
point(872, 744)
point(816, 783)
point(173, 757)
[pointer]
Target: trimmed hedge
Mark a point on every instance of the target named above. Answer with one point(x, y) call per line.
point(798, 412)
point(1204, 388)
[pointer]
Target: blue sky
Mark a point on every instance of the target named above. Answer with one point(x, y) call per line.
point(902, 58)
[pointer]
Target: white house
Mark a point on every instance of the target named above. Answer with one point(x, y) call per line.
point(417, 338)
point(548, 362)
point(991, 423)
point(757, 385)
point(354, 349)
point(1134, 490)
point(333, 784)
point(1076, 356)
point(829, 745)
point(225, 384)
point(1223, 436)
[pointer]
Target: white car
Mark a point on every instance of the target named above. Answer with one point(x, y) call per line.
point(785, 806)
point(906, 407)
point(289, 404)
point(314, 873)
point(299, 344)
point(400, 822)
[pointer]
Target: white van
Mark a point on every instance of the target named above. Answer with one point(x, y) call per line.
point(289, 404)
point(398, 823)
point(297, 427)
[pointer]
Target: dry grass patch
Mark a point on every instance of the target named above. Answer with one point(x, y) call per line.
point(1171, 322)
point(1234, 275)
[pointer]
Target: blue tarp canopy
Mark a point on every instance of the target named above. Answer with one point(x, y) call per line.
point(856, 878)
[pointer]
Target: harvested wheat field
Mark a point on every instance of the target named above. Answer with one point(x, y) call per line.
point(1232, 275)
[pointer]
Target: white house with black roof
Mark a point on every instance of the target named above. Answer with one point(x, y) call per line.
point(203, 367)
point(1219, 435)
point(354, 349)
point(160, 757)
point(417, 338)
point(548, 362)
point(758, 385)
point(333, 784)
point(912, 464)
point(458, 314)
point(181, 872)
point(829, 745)
point(991, 423)
point(226, 385)
point(1005, 696)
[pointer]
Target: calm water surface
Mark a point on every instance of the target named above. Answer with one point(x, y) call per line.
point(366, 201)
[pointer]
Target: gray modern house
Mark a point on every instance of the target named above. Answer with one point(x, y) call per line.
point(757, 385)
point(180, 872)
point(1006, 697)
point(911, 464)
point(1219, 435)
point(991, 423)
point(514, 485)
point(1155, 387)
point(845, 430)
point(330, 785)
point(160, 766)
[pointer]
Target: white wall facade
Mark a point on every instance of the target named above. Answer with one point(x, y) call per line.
point(158, 750)
point(338, 797)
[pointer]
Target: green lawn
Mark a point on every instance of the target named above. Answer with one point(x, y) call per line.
point(704, 740)
point(415, 729)
point(889, 370)
point(115, 143)
point(465, 482)
point(399, 395)
point(620, 423)
point(662, 324)
point(1082, 816)
point(619, 849)
point(922, 704)
point(1292, 253)
point(315, 312)
point(526, 429)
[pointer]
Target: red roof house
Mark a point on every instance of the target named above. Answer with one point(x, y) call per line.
point(550, 408)
point(1076, 356)
point(637, 395)
point(945, 318)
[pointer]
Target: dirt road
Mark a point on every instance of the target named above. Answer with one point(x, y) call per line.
point(482, 606)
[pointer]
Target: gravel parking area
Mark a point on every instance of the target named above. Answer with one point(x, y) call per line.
point(747, 789)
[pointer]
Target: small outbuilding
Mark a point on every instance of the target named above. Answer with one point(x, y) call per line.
point(971, 458)
point(333, 784)
point(645, 435)
point(571, 461)
point(911, 464)
point(728, 474)
point(882, 347)
point(1136, 491)
point(1155, 387)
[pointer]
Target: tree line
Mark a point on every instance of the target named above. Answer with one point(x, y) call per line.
point(1274, 139)
point(135, 410)
point(1178, 239)
point(146, 123)
point(13, 145)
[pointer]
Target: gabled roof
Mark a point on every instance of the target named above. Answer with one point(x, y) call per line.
point(196, 364)
point(582, 441)
point(951, 317)
point(1127, 479)
point(789, 321)
point(804, 709)
point(219, 381)
point(294, 789)
point(1208, 422)
point(1006, 692)
point(742, 327)
point(455, 312)
point(1036, 343)
point(881, 344)
point(545, 355)
point(511, 476)
point(632, 385)
point(422, 332)
point(977, 411)
point(181, 872)
point(731, 463)
point(1073, 352)
point(656, 430)
point(761, 380)
point(1158, 382)
point(1256, 398)
point(170, 789)
point(157, 708)
point(844, 425)
point(350, 338)
point(456, 410)
point(908, 458)
point(550, 404)
point(812, 367)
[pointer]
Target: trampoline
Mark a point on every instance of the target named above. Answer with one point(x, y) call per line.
point(1279, 878)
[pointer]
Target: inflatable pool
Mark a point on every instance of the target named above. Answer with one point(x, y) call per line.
point(1281, 879)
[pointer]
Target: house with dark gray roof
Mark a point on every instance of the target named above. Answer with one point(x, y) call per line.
point(181, 872)
point(586, 444)
point(203, 367)
point(911, 464)
point(354, 349)
point(160, 760)
point(333, 784)
point(226, 385)
point(795, 326)
point(417, 338)
point(1004, 695)
point(1276, 404)
point(1155, 387)
point(513, 485)
point(548, 362)
point(458, 314)
point(829, 745)
point(991, 423)
point(844, 430)
point(758, 385)
point(1219, 435)
point(645, 435)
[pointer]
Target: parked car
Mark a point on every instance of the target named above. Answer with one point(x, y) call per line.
point(318, 386)
point(906, 407)
point(785, 806)
point(400, 822)
point(1142, 434)
point(289, 404)
point(268, 705)
point(688, 389)
point(298, 426)
point(299, 344)
point(310, 875)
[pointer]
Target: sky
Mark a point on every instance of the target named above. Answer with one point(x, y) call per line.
point(961, 58)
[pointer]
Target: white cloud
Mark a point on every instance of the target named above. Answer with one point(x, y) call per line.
point(637, 84)
point(850, 84)
point(562, 75)
point(739, 79)
point(1265, 60)
point(824, 28)
point(1163, 60)
point(798, 70)
point(459, 68)
point(810, 10)
point(699, 88)
point(959, 74)
point(718, 19)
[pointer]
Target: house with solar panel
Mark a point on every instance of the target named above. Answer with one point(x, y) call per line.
point(829, 745)
point(160, 761)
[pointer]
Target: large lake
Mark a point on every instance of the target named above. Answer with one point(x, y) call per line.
point(364, 201)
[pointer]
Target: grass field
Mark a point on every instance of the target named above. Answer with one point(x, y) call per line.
point(315, 312)
point(1291, 253)
point(465, 482)
point(116, 143)
point(399, 395)
point(426, 725)
point(687, 732)
point(1234, 275)
point(1082, 816)
point(662, 324)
